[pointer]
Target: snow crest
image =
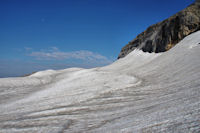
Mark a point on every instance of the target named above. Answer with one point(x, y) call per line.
point(143, 92)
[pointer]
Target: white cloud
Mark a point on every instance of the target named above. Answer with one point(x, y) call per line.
point(27, 48)
point(54, 53)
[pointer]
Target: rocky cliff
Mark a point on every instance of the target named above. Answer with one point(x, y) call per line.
point(163, 36)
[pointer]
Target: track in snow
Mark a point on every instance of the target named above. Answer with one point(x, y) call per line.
point(142, 92)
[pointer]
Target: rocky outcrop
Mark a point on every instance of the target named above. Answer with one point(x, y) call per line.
point(163, 36)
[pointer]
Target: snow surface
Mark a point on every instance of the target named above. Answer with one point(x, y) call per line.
point(143, 92)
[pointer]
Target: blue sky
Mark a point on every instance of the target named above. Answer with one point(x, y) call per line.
point(55, 34)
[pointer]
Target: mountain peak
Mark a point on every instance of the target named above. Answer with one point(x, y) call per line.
point(164, 35)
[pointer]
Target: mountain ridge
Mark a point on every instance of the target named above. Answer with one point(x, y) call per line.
point(164, 35)
point(143, 92)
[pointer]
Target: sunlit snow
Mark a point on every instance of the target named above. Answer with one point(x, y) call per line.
point(143, 92)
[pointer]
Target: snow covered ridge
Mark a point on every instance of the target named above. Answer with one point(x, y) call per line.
point(143, 92)
point(164, 35)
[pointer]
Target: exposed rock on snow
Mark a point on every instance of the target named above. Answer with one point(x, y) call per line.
point(143, 92)
point(162, 36)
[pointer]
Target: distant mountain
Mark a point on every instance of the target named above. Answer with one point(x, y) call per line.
point(164, 35)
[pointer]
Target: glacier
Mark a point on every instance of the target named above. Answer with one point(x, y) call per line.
point(143, 92)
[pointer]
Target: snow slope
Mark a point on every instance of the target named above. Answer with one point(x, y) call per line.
point(142, 92)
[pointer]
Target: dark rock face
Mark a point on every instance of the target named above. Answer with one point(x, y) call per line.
point(163, 36)
point(197, 1)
